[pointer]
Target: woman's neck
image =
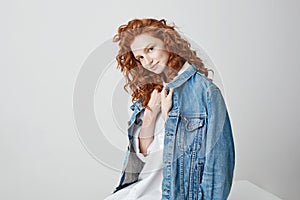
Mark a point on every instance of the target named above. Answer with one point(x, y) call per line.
point(169, 73)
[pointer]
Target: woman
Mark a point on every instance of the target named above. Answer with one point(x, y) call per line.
point(180, 137)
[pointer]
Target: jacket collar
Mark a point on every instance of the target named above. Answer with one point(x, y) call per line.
point(176, 82)
point(182, 77)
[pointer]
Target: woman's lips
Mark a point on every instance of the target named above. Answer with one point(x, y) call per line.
point(153, 66)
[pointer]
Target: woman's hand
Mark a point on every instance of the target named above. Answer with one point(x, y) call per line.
point(166, 102)
point(155, 103)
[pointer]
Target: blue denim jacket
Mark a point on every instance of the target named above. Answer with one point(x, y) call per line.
point(198, 155)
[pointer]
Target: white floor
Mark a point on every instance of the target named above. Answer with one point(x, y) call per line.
point(246, 190)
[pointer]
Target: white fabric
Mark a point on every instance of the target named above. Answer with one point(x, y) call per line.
point(149, 184)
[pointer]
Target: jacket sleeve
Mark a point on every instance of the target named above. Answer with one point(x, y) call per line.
point(219, 160)
point(133, 164)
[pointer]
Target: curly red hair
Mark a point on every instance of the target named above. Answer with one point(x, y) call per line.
point(141, 81)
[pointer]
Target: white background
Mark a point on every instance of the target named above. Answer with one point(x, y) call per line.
point(254, 44)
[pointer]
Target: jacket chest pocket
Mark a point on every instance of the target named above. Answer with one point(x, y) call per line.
point(189, 137)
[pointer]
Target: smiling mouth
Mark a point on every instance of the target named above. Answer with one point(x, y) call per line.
point(153, 66)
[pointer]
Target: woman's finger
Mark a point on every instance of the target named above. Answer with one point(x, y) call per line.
point(170, 93)
point(164, 92)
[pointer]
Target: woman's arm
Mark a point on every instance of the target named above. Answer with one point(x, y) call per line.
point(159, 102)
point(220, 153)
point(146, 134)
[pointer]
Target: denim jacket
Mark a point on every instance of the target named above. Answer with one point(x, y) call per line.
point(198, 156)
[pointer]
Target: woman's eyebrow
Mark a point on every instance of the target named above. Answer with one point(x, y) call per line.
point(150, 44)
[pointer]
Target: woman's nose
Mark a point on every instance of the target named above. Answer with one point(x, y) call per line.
point(148, 60)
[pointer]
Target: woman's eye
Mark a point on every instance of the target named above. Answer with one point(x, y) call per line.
point(140, 58)
point(150, 49)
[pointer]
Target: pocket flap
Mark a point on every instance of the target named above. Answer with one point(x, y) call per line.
point(193, 123)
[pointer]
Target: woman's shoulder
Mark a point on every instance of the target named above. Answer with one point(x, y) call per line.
point(203, 81)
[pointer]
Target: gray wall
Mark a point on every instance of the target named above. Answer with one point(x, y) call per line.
point(254, 45)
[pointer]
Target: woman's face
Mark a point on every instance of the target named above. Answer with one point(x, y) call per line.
point(150, 51)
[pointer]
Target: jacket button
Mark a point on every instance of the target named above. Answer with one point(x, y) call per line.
point(167, 163)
